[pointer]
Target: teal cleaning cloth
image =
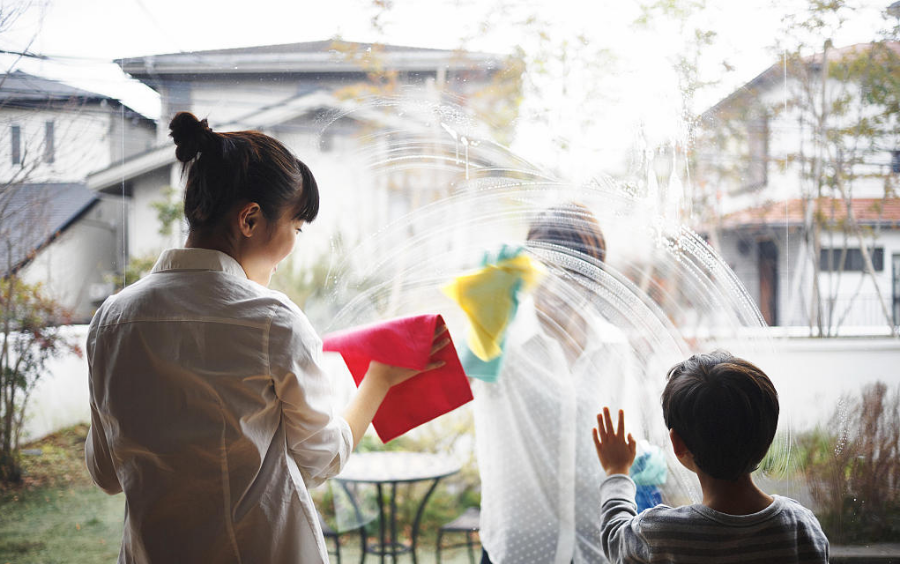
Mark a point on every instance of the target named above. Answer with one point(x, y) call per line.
point(519, 272)
point(649, 468)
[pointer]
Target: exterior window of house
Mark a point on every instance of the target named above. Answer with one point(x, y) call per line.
point(16, 144)
point(895, 161)
point(830, 260)
point(48, 142)
point(758, 152)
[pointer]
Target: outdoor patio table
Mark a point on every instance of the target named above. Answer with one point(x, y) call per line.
point(389, 469)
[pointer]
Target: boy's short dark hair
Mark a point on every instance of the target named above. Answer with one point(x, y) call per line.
point(725, 409)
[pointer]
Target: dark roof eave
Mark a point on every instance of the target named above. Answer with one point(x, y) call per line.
point(814, 63)
point(758, 81)
point(254, 61)
point(892, 224)
point(39, 103)
point(142, 73)
point(24, 90)
point(751, 225)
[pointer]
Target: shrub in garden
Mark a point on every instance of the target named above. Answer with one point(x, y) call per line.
point(853, 468)
point(30, 335)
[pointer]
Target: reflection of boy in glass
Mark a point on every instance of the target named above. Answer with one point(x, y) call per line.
point(722, 413)
point(539, 495)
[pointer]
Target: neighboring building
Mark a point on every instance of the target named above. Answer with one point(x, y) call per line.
point(316, 98)
point(63, 236)
point(54, 230)
point(780, 194)
point(58, 133)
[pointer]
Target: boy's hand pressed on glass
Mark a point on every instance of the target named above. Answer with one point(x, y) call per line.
point(615, 451)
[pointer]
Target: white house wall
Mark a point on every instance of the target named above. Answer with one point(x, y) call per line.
point(223, 101)
point(144, 238)
point(854, 292)
point(86, 138)
point(744, 265)
point(794, 282)
point(79, 141)
point(787, 136)
point(354, 202)
point(128, 136)
point(88, 253)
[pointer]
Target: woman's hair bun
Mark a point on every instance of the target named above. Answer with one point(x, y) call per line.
point(191, 136)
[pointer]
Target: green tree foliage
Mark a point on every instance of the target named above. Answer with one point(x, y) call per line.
point(30, 329)
point(169, 210)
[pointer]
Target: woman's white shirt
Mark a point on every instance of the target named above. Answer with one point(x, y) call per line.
point(209, 409)
point(540, 477)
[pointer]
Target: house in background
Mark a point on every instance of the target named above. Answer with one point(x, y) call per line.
point(54, 230)
point(801, 210)
point(319, 99)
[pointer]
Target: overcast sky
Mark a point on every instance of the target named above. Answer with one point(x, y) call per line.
point(83, 36)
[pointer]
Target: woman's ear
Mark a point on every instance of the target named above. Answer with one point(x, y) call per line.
point(249, 218)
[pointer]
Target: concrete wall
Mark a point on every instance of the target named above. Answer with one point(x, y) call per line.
point(61, 396)
point(811, 376)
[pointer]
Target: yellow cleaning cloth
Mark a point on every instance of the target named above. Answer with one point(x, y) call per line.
point(488, 297)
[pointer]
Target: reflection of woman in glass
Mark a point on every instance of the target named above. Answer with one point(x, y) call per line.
point(540, 501)
point(209, 409)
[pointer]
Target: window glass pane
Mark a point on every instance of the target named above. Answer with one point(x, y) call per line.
point(638, 182)
point(853, 260)
point(49, 149)
point(16, 144)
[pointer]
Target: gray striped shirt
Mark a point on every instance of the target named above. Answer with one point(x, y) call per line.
point(783, 532)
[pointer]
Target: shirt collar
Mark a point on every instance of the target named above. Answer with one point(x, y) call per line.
point(198, 259)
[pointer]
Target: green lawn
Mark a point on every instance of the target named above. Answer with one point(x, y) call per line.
point(57, 514)
point(50, 525)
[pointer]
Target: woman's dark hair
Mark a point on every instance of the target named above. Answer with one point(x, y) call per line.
point(572, 226)
point(226, 169)
point(725, 409)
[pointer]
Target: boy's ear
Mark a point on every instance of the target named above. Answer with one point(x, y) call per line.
point(685, 457)
point(677, 444)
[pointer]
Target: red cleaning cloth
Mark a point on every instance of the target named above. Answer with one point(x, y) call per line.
point(405, 342)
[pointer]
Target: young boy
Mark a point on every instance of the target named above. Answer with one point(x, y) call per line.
point(721, 412)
